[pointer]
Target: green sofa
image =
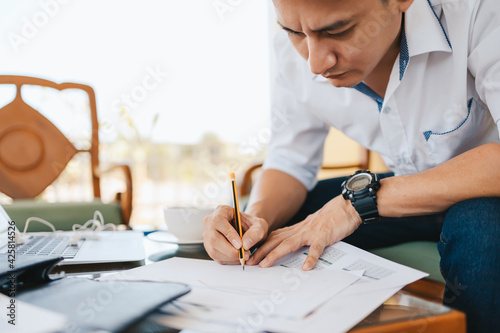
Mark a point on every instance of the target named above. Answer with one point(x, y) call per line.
point(423, 256)
point(61, 214)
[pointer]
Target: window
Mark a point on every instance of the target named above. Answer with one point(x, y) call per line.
point(178, 83)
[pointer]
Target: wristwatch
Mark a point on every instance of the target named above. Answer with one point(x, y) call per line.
point(361, 188)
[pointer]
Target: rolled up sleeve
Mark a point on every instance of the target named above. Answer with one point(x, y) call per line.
point(298, 136)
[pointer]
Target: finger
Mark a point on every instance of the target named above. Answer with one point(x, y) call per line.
point(290, 230)
point(226, 258)
point(232, 258)
point(246, 221)
point(285, 247)
point(255, 233)
point(315, 251)
point(270, 244)
point(220, 220)
point(218, 247)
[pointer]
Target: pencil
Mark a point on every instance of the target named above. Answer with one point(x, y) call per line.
point(237, 218)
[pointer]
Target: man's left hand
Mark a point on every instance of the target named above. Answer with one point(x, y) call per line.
point(332, 223)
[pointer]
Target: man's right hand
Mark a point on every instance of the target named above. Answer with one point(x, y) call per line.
point(222, 240)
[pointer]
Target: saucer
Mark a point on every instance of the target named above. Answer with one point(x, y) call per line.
point(166, 237)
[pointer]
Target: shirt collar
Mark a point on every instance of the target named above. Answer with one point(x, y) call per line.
point(424, 31)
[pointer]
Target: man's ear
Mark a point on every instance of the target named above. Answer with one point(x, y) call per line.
point(403, 5)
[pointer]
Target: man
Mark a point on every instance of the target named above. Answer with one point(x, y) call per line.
point(418, 82)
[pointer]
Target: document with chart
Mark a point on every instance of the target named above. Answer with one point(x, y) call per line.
point(381, 279)
point(346, 284)
point(378, 273)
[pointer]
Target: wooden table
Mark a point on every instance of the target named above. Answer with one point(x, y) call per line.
point(413, 310)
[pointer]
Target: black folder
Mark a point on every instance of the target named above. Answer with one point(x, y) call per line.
point(89, 305)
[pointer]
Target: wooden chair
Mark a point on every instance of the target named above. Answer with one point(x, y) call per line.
point(361, 164)
point(34, 152)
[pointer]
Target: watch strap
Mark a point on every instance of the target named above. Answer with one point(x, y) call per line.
point(366, 208)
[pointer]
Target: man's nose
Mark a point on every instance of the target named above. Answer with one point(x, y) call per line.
point(320, 57)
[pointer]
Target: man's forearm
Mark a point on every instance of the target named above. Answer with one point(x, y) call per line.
point(473, 174)
point(276, 197)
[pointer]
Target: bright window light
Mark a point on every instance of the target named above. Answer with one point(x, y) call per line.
point(199, 66)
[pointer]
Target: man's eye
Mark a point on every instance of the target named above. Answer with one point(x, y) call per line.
point(340, 34)
point(295, 33)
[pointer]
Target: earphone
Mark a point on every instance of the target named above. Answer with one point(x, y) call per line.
point(86, 231)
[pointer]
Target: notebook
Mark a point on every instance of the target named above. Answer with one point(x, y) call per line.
point(93, 248)
point(87, 305)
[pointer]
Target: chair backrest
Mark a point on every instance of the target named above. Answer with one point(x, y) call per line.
point(246, 181)
point(33, 151)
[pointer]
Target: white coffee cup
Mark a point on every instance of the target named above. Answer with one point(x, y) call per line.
point(186, 223)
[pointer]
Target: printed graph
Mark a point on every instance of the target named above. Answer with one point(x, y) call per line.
point(371, 270)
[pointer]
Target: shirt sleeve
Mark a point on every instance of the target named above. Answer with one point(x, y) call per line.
point(298, 136)
point(484, 54)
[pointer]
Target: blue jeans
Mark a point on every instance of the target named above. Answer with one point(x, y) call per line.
point(468, 237)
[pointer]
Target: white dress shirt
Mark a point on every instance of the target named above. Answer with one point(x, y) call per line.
point(442, 99)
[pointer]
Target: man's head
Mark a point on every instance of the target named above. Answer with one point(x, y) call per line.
point(343, 40)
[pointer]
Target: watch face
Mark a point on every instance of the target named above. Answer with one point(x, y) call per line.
point(359, 182)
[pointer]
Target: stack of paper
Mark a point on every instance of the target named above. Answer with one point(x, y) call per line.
point(345, 286)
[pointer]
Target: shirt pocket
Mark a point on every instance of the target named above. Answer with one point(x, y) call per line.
point(446, 143)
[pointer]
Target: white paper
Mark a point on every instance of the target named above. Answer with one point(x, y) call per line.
point(379, 273)
point(292, 292)
point(339, 315)
point(382, 278)
point(196, 325)
point(282, 298)
point(29, 318)
point(182, 315)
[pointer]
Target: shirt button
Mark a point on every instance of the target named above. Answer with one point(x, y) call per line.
point(386, 110)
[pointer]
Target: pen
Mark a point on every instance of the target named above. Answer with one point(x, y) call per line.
point(237, 219)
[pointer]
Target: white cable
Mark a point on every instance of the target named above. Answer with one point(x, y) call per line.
point(37, 219)
point(97, 224)
point(102, 226)
point(86, 230)
point(20, 239)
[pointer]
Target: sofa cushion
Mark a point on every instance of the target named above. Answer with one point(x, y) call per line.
point(61, 214)
point(423, 256)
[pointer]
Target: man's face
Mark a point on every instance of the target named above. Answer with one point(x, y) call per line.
point(343, 40)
